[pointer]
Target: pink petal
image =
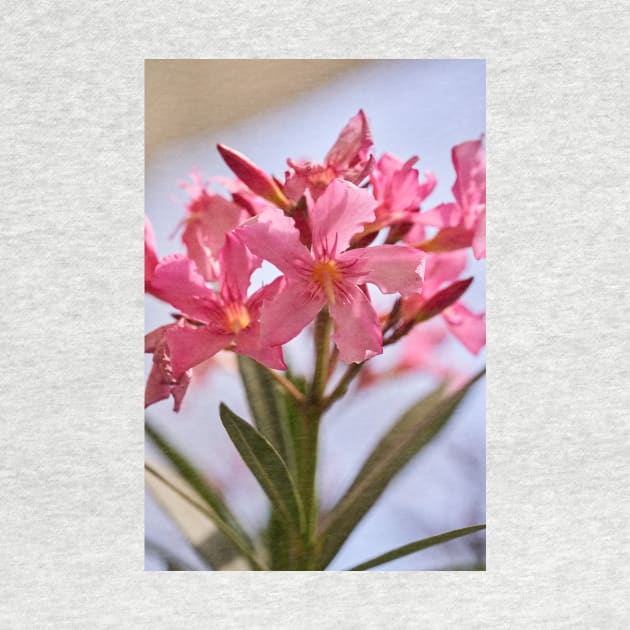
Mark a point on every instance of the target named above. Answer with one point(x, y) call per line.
point(161, 382)
point(155, 337)
point(294, 308)
point(427, 187)
point(416, 235)
point(396, 184)
point(211, 216)
point(420, 346)
point(158, 389)
point(479, 238)
point(237, 265)
point(358, 173)
point(340, 213)
point(352, 144)
point(392, 268)
point(179, 284)
point(249, 343)
point(469, 161)
point(190, 346)
point(442, 268)
point(150, 255)
point(444, 215)
point(266, 292)
point(357, 329)
point(449, 239)
point(199, 252)
point(468, 327)
point(273, 236)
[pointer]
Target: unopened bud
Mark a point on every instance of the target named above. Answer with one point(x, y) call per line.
point(254, 177)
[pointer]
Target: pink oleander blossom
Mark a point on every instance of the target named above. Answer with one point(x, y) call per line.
point(347, 159)
point(252, 203)
point(398, 190)
point(225, 320)
point(444, 269)
point(329, 274)
point(463, 223)
point(162, 381)
point(150, 256)
point(208, 218)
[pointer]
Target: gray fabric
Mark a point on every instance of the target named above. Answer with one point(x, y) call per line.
point(72, 444)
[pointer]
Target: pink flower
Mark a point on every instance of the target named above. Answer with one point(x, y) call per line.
point(468, 327)
point(229, 319)
point(463, 223)
point(398, 190)
point(254, 177)
point(252, 203)
point(419, 349)
point(347, 159)
point(208, 219)
point(162, 382)
point(328, 274)
point(150, 256)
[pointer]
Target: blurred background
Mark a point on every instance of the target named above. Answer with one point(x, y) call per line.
point(271, 110)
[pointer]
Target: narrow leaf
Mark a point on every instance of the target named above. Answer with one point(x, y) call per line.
point(266, 465)
point(267, 406)
point(419, 545)
point(215, 506)
point(406, 438)
point(172, 561)
point(180, 501)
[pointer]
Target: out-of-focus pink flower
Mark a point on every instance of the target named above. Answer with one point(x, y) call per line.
point(329, 275)
point(208, 218)
point(419, 349)
point(398, 190)
point(252, 203)
point(420, 352)
point(254, 177)
point(229, 319)
point(463, 223)
point(162, 382)
point(441, 269)
point(150, 255)
point(347, 159)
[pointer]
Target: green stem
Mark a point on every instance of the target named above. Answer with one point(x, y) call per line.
point(286, 384)
point(342, 387)
point(312, 419)
point(323, 328)
point(311, 416)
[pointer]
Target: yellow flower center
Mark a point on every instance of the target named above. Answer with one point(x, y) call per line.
point(325, 274)
point(236, 317)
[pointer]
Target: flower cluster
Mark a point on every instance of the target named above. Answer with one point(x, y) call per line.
point(320, 228)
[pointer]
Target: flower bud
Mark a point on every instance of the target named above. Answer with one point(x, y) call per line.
point(441, 300)
point(253, 177)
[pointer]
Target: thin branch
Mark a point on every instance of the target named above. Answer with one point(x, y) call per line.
point(342, 387)
point(287, 385)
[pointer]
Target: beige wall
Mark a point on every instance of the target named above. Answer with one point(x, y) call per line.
point(187, 97)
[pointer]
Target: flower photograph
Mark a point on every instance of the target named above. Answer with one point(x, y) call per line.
point(314, 263)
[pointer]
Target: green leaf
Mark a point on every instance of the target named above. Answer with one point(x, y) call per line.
point(406, 438)
point(172, 561)
point(215, 508)
point(189, 512)
point(419, 545)
point(267, 406)
point(266, 465)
